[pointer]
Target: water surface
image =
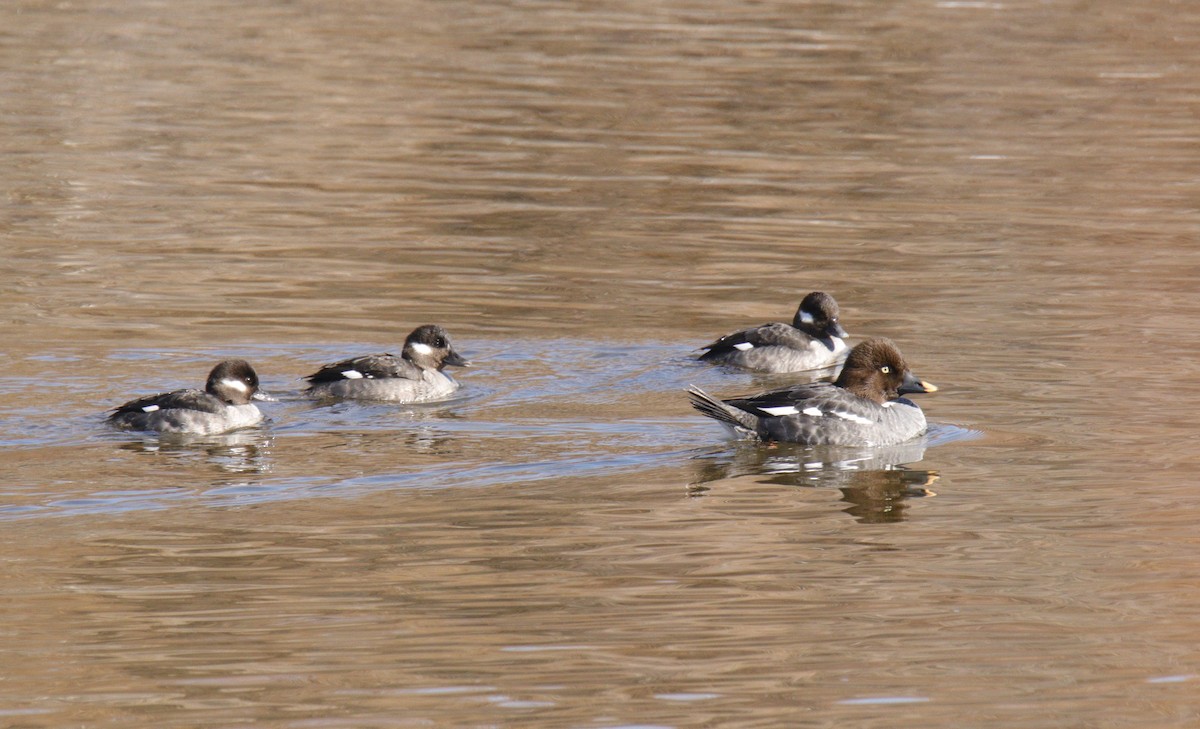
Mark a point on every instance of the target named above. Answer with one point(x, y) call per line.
point(583, 195)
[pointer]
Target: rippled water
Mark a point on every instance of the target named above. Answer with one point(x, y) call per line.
point(583, 195)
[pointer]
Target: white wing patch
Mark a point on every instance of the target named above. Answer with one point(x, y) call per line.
point(352, 374)
point(853, 418)
point(149, 408)
point(233, 384)
point(814, 412)
point(744, 346)
point(780, 410)
point(420, 348)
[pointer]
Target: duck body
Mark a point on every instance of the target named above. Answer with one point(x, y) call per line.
point(862, 408)
point(414, 376)
point(813, 340)
point(223, 405)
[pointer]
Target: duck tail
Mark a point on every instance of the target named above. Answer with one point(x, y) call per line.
point(740, 420)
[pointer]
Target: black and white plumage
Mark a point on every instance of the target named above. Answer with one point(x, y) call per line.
point(223, 405)
point(813, 340)
point(415, 376)
point(862, 408)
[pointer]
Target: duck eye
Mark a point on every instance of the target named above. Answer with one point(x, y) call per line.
point(439, 342)
point(885, 369)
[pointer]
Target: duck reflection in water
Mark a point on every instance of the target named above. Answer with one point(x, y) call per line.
point(244, 452)
point(874, 481)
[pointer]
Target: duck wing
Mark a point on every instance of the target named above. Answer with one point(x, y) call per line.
point(369, 367)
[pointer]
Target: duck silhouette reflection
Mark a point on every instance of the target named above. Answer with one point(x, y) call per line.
point(245, 452)
point(874, 481)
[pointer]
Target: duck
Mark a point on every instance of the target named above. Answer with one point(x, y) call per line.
point(812, 341)
point(863, 407)
point(414, 376)
point(223, 405)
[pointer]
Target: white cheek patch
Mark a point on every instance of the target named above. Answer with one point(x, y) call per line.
point(781, 410)
point(235, 385)
point(422, 348)
point(149, 408)
point(805, 317)
point(744, 346)
point(854, 418)
point(352, 374)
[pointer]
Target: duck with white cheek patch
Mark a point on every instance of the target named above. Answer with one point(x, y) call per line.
point(415, 376)
point(862, 408)
point(223, 405)
point(813, 340)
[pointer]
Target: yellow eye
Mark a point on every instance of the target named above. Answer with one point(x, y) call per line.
point(885, 369)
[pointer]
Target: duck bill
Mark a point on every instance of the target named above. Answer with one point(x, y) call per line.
point(835, 330)
point(264, 396)
point(454, 359)
point(913, 384)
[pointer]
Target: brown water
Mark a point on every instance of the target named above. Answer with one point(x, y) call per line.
point(583, 194)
